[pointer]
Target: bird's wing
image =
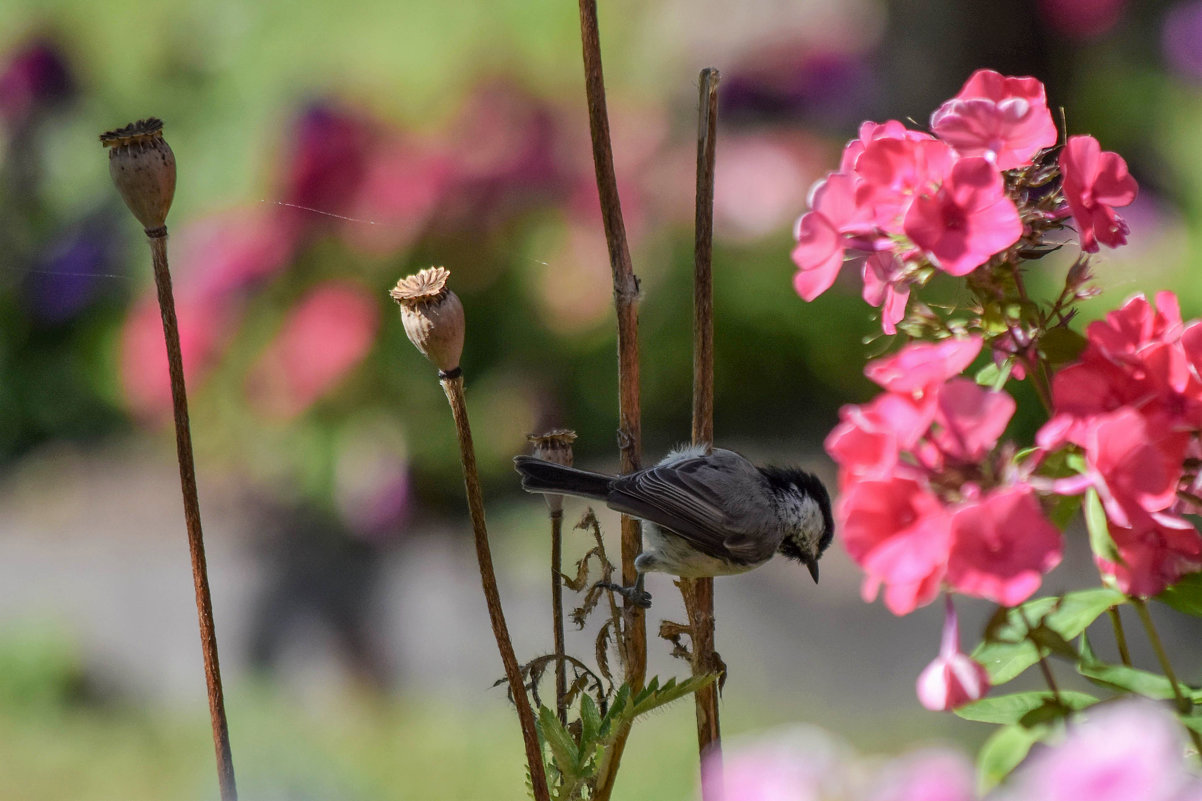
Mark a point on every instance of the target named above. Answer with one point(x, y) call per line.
point(702, 499)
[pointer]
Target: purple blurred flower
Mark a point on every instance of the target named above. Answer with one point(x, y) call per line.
point(1181, 38)
point(326, 163)
point(35, 78)
point(71, 272)
point(1117, 752)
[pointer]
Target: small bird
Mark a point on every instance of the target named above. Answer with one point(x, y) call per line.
point(712, 514)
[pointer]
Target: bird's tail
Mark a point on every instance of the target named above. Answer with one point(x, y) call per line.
point(543, 476)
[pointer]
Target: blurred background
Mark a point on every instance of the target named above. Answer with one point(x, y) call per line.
point(324, 151)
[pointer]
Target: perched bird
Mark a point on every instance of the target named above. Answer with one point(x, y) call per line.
point(713, 514)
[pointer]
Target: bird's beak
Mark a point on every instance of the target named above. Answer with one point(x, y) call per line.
point(813, 566)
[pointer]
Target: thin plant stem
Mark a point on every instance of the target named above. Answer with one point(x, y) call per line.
point(699, 603)
point(626, 293)
point(1044, 667)
point(196, 547)
point(561, 677)
point(1183, 704)
point(1120, 636)
point(452, 385)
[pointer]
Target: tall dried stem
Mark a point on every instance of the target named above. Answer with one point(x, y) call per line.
point(196, 546)
point(452, 385)
point(699, 593)
point(626, 293)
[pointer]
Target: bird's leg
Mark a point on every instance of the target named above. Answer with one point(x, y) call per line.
point(636, 595)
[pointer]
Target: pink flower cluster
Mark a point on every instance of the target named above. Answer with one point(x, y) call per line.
point(903, 201)
point(1133, 406)
point(927, 498)
point(1128, 750)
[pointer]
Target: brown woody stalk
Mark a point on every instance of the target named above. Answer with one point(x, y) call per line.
point(434, 322)
point(452, 385)
point(142, 167)
point(196, 545)
point(626, 293)
point(699, 593)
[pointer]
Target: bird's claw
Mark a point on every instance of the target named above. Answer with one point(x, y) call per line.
point(636, 596)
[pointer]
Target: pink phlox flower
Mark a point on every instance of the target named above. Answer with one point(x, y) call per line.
point(822, 234)
point(1127, 330)
point(967, 220)
point(1095, 183)
point(1137, 462)
point(885, 286)
point(1002, 546)
point(1002, 119)
point(893, 172)
point(872, 131)
point(867, 442)
point(971, 419)
point(1154, 551)
point(954, 678)
point(1128, 750)
point(921, 366)
point(900, 535)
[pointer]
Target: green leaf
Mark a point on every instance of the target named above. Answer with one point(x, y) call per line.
point(1185, 596)
point(1003, 751)
point(655, 696)
point(1193, 722)
point(1013, 708)
point(1008, 649)
point(1127, 679)
point(1064, 509)
point(1061, 345)
point(590, 721)
point(564, 752)
point(1100, 541)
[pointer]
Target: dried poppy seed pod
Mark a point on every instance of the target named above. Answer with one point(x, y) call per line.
point(143, 169)
point(554, 446)
point(432, 316)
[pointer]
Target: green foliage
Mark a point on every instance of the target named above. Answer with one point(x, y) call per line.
point(1185, 596)
point(1017, 637)
point(1028, 708)
point(1127, 679)
point(577, 752)
point(1100, 541)
point(1004, 749)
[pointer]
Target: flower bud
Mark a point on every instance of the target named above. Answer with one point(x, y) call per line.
point(954, 678)
point(554, 446)
point(432, 316)
point(143, 169)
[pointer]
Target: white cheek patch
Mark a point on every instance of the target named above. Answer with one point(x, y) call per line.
point(803, 521)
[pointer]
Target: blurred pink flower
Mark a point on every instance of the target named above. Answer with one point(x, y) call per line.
point(204, 325)
point(892, 172)
point(932, 774)
point(1001, 546)
point(1128, 750)
point(329, 331)
point(1082, 19)
point(1095, 182)
point(954, 678)
point(1003, 119)
point(967, 220)
point(1181, 31)
point(868, 440)
point(35, 78)
point(801, 763)
point(921, 366)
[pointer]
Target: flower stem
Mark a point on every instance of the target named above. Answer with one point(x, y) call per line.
point(1120, 636)
point(626, 295)
point(561, 678)
point(1044, 667)
point(1183, 704)
point(196, 547)
point(699, 603)
point(452, 385)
